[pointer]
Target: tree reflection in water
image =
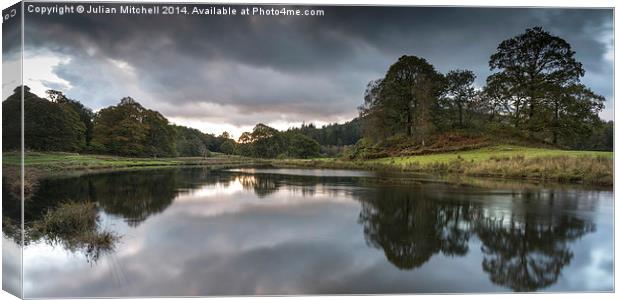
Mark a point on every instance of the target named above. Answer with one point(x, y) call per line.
point(527, 251)
point(411, 231)
point(524, 250)
point(263, 185)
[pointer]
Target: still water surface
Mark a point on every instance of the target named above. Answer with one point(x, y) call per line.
point(191, 232)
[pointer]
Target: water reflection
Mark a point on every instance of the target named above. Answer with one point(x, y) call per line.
point(525, 248)
point(521, 239)
point(527, 251)
point(11, 213)
point(411, 228)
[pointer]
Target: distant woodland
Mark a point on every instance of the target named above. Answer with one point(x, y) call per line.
point(535, 96)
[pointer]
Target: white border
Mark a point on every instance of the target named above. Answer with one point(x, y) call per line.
point(520, 3)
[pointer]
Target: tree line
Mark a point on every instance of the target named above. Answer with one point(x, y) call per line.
point(534, 93)
point(58, 123)
point(332, 134)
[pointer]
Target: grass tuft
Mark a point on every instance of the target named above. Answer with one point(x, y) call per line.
point(74, 225)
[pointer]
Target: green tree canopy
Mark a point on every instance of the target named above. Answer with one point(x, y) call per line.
point(86, 114)
point(190, 142)
point(333, 134)
point(228, 147)
point(268, 142)
point(48, 126)
point(539, 75)
point(404, 100)
point(301, 146)
point(129, 129)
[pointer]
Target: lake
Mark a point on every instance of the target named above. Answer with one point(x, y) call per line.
point(193, 232)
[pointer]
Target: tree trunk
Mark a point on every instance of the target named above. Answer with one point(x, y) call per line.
point(518, 108)
point(530, 119)
point(408, 121)
point(460, 114)
point(556, 122)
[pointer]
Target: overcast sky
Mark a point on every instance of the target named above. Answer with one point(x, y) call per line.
point(219, 73)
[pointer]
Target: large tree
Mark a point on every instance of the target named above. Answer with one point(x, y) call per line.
point(405, 98)
point(48, 126)
point(86, 114)
point(129, 129)
point(161, 136)
point(543, 78)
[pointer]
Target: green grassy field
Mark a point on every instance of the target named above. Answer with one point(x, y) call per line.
point(488, 153)
point(501, 161)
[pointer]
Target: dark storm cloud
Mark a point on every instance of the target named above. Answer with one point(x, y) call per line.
point(310, 68)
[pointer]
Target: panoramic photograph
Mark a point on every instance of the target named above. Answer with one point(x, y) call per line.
point(170, 149)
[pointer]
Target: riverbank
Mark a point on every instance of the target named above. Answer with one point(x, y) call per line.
point(44, 164)
point(503, 161)
point(500, 161)
point(63, 161)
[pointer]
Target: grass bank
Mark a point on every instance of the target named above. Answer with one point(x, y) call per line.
point(502, 161)
point(62, 161)
point(44, 164)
